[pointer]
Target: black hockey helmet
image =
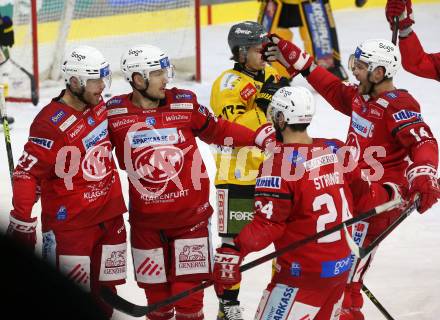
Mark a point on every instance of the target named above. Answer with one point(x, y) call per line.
point(244, 35)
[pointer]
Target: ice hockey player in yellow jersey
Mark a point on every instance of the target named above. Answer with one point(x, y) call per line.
point(241, 94)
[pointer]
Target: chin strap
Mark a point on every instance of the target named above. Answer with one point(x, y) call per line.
point(143, 92)
point(79, 95)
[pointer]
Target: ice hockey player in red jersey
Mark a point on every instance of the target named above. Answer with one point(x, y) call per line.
point(68, 154)
point(154, 131)
point(381, 116)
point(303, 189)
point(414, 58)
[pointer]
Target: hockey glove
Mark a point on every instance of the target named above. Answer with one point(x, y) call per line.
point(265, 138)
point(23, 230)
point(423, 181)
point(6, 32)
point(264, 97)
point(288, 54)
point(401, 9)
point(226, 272)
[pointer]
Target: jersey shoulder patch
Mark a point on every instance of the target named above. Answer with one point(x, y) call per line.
point(229, 81)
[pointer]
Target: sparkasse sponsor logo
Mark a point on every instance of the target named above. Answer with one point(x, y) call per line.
point(96, 135)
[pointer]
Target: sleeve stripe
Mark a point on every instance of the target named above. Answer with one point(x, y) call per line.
point(403, 126)
point(276, 195)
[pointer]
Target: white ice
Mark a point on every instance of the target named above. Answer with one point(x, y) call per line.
point(405, 274)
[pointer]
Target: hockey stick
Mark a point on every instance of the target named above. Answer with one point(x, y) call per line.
point(5, 122)
point(363, 252)
point(34, 90)
point(395, 30)
point(134, 310)
point(376, 303)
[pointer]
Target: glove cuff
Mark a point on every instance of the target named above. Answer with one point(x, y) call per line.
point(417, 171)
point(262, 134)
point(23, 226)
point(405, 32)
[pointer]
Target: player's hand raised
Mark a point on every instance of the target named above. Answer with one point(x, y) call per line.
point(286, 53)
point(401, 9)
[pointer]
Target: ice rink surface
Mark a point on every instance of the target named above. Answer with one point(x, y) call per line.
point(405, 276)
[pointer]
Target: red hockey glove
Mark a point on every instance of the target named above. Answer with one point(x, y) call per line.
point(265, 138)
point(401, 9)
point(423, 181)
point(288, 54)
point(23, 230)
point(226, 272)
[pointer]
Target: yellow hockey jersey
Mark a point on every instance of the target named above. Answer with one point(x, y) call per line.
point(233, 98)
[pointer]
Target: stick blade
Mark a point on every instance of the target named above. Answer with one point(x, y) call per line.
point(123, 305)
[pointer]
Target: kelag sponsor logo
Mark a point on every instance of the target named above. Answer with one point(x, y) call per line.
point(153, 137)
point(361, 125)
point(331, 269)
point(406, 115)
point(96, 135)
point(268, 182)
point(42, 142)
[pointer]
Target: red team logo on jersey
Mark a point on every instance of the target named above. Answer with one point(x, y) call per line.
point(159, 164)
point(97, 162)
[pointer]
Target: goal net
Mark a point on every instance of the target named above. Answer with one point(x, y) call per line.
point(108, 25)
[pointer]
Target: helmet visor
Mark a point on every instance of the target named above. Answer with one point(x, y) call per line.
point(106, 75)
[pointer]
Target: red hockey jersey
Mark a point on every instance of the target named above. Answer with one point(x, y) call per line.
point(299, 192)
point(168, 183)
point(384, 130)
point(69, 155)
point(416, 60)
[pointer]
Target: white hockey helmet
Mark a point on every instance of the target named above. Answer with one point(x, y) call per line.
point(86, 63)
point(377, 53)
point(144, 59)
point(295, 103)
